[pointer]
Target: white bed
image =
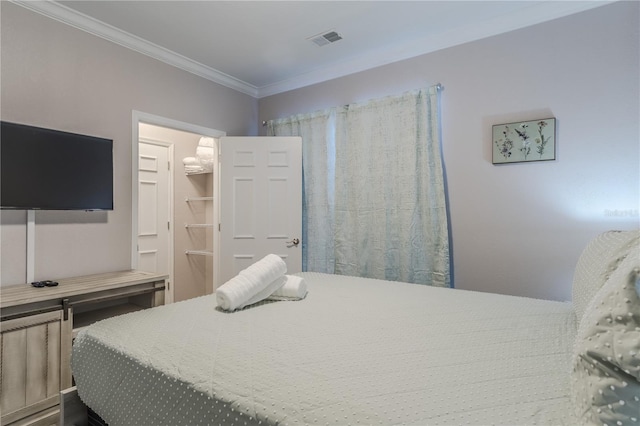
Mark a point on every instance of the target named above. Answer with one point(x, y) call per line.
point(354, 351)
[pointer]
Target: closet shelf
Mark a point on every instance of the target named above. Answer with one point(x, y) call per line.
point(189, 199)
point(199, 252)
point(200, 172)
point(198, 225)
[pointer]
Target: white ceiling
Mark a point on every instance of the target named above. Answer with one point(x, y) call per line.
point(261, 47)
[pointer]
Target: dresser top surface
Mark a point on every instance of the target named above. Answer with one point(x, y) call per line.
point(13, 295)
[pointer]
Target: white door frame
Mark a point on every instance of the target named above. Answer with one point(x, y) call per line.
point(138, 117)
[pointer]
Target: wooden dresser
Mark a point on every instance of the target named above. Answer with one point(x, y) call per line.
point(37, 329)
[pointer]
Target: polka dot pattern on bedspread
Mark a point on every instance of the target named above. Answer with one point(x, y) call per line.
point(355, 351)
point(606, 372)
point(597, 262)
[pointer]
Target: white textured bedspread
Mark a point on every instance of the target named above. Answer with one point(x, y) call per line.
point(354, 352)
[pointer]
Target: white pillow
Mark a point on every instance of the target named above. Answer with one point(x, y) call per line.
point(606, 363)
point(597, 262)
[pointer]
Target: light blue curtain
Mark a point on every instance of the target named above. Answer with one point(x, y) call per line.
point(374, 189)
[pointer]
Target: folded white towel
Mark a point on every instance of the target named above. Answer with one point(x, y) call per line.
point(252, 284)
point(190, 161)
point(294, 288)
point(206, 141)
point(193, 169)
point(204, 153)
point(207, 166)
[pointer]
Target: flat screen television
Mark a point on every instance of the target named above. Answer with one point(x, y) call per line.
point(44, 169)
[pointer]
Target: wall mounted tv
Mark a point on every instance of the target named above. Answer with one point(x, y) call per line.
point(43, 169)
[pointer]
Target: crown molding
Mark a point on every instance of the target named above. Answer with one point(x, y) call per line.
point(538, 12)
point(66, 15)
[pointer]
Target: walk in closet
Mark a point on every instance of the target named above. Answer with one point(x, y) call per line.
point(192, 209)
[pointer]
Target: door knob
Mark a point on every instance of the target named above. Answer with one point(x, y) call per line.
point(294, 242)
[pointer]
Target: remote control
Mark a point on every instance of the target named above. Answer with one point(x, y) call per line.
point(45, 283)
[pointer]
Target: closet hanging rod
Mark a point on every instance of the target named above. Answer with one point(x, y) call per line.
point(199, 252)
point(187, 199)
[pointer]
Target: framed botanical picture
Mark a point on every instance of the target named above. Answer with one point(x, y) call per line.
point(524, 141)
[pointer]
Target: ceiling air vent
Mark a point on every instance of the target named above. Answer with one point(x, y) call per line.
point(325, 38)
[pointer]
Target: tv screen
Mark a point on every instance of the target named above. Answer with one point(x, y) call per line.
point(52, 170)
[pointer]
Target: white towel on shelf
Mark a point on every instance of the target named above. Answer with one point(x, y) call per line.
point(294, 288)
point(207, 166)
point(190, 161)
point(204, 153)
point(252, 284)
point(206, 141)
point(193, 169)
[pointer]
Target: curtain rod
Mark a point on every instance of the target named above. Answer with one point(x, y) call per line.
point(439, 87)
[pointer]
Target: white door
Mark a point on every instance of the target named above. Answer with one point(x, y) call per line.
point(260, 202)
point(153, 210)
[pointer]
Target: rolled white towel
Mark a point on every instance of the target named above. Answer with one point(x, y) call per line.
point(190, 161)
point(235, 295)
point(206, 141)
point(252, 284)
point(294, 288)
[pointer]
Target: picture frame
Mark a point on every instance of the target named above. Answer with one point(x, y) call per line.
point(524, 141)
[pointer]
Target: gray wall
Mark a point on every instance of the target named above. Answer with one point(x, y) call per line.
point(59, 77)
point(519, 229)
